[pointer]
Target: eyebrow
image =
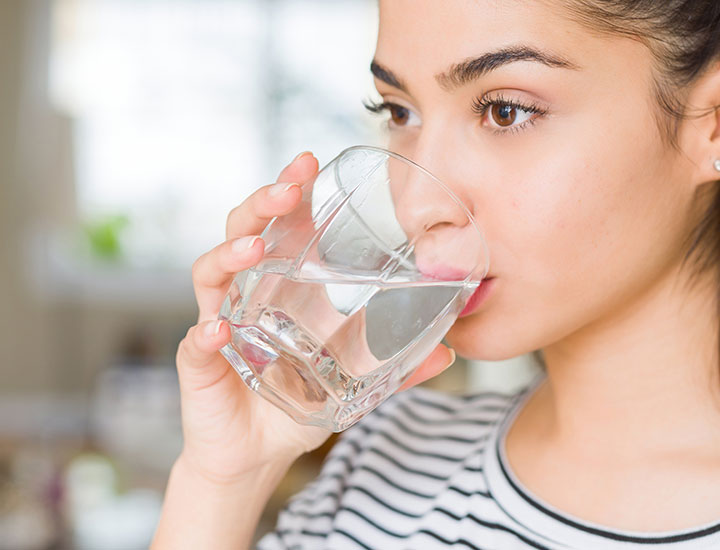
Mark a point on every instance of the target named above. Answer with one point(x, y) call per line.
point(471, 69)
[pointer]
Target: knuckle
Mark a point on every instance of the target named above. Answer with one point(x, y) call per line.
point(198, 266)
point(185, 345)
point(181, 352)
point(233, 214)
point(195, 268)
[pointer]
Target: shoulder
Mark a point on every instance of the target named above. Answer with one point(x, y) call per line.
point(420, 450)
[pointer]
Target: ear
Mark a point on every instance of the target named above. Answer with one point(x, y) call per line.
point(699, 136)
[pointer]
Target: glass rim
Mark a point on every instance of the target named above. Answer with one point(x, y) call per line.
point(438, 181)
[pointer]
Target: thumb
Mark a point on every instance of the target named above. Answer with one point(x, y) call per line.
point(440, 359)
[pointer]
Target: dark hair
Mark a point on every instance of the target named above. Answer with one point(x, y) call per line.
point(684, 39)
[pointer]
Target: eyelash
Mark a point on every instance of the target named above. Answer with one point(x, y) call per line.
point(379, 108)
point(480, 106)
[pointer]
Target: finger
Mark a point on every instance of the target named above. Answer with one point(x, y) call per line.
point(269, 201)
point(300, 170)
point(440, 359)
point(213, 272)
point(198, 360)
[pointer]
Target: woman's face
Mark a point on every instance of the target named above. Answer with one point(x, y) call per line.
point(550, 138)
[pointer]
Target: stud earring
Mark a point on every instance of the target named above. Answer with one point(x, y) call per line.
point(717, 165)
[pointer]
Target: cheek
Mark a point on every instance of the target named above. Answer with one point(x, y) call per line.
point(586, 205)
point(552, 220)
point(571, 236)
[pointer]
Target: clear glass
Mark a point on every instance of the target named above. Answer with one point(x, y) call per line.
point(357, 286)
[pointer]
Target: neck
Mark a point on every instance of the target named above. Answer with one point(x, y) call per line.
point(645, 378)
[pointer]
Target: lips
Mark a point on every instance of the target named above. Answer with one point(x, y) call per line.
point(478, 297)
point(447, 273)
point(443, 272)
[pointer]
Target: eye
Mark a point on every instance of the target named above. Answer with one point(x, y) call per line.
point(399, 116)
point(506, 115)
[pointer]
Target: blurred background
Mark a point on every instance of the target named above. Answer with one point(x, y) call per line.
point(128, 130)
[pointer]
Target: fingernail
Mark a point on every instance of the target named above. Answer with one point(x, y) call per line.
point(213, 329)
point(452, 358)
point(304, 153)
point(244, 243)
point(280, 188)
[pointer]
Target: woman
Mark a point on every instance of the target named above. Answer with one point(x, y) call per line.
point(585, 136)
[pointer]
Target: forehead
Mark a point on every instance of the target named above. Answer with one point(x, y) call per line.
point(434, 33)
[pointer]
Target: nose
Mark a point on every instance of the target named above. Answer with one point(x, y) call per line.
point(446, 242)
point(423, 203)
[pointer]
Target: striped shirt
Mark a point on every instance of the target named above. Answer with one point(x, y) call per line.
point(427, 470)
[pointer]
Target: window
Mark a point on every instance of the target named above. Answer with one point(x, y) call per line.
point(182, 107)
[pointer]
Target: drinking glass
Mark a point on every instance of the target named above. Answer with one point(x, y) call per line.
point(357, 286)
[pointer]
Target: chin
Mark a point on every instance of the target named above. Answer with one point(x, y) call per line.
point(473, 337)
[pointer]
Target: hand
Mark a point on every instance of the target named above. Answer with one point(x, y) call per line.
point(228, 429)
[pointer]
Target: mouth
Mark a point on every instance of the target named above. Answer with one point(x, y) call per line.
point(476, 299)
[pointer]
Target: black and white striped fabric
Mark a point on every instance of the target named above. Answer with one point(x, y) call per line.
point(426, 471)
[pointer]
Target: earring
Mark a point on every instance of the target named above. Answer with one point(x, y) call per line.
point(717, 165)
